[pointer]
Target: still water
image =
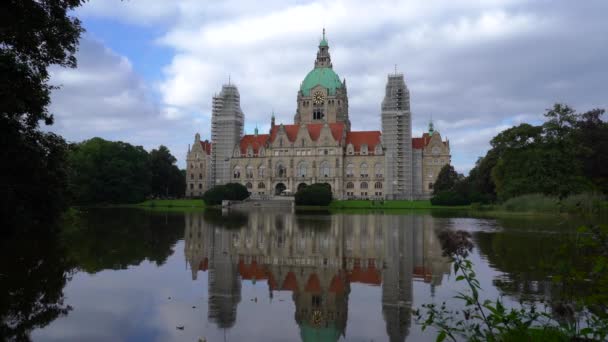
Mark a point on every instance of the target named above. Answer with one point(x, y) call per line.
point(134, 275)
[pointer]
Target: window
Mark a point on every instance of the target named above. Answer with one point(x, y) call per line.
point(430, 186)
point(317, 113)
point(249, 171)
point(191, 186)
point(200, 186)
point(378, 150)
point(192, 176)
point(261, 185)
point(249, 185)
point(281, 142)
point(378, 170)
point(303, 143)
point(200, 176)
point(364, 149)
point(281, 171)
point(349, 149)
point(364, 185)
point(261, 170)
point(302, 167)
point(325, 170)
point(249, 151)
point(192, 166)
point(363, 170)
point(350, 185)
point(237, 172)
point(350, 170)
point(378, 185)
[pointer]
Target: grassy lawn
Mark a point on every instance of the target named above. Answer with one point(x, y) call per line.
point(175, 203)
point(396, 204)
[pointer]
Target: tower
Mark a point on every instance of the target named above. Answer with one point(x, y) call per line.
point(227, 121)
point(322, 97)
point(397, 138)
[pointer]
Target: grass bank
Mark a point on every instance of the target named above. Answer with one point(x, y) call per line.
point(388, 204)
point(173, 203)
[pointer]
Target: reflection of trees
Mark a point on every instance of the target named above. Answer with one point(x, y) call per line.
point(33, 272)
point(230, 219)
point(117, 238)
point(525, 258)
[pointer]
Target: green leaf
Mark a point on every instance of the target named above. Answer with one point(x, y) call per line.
point(442, 335)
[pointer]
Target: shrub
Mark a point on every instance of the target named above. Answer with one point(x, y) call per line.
point(449, 198)
point(316, 194)
point(586, 203)
point(532, 202)
point(228, 192)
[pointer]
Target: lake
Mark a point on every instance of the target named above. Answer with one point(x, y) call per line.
point(136, 275)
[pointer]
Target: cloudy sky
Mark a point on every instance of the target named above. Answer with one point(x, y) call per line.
point(147, 69)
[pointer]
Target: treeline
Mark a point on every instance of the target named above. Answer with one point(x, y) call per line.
point(101, 171)
point(565, 155)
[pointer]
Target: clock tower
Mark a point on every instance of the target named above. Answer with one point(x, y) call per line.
point(322, 96)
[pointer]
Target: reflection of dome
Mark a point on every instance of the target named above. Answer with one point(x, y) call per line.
point(320, 334)
point(326, 77)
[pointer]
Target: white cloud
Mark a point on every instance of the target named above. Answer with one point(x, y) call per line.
point(473, 66)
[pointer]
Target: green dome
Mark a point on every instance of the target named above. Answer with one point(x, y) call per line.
point(323, 42)
point(325, 77)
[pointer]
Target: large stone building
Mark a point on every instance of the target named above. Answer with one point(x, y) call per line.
point(320, 147)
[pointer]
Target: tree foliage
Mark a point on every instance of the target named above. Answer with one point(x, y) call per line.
point(563, 156)
point(33, 36)
point(166, 179)
point(226, 192)
point(108, 172)
point(446, 179)
point(315, 194)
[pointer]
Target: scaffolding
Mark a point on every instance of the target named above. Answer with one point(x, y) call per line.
point(397, 138)
point(227, 122)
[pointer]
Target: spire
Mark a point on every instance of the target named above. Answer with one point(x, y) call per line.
point(272, 120)
point(431, 128)
point(256, 130)
point(323, 59)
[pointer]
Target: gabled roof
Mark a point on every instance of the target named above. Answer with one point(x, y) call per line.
point(314, 131)
point(358, 138)
point(256, 141)
point(422, 142)
point(206, 145)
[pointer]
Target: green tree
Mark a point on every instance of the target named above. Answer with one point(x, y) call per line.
point(446, 179)
point(315, 194)
point(108, 172)
point(166, 180)
point(226, 192)
point(34, 34)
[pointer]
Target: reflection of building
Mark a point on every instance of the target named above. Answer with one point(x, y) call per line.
point(317, 258)
point(320, 147)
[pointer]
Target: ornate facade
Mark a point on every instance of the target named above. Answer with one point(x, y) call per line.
point(320, 147)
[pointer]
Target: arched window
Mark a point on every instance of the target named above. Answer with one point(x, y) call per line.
point(325, 170)
point(364, 185)
point(200, 176)
point(378, 185)
point(350, 170)
point(261, 171)
point(249, 151)
point(350, 149)
point(261, 185)
point(302, 168)
point(281, 171)
point(200, 186)
point(350, 185)
point(249, 185)
point(363, 170)
point(237, 172)
point(378, 170)
point(249, 171)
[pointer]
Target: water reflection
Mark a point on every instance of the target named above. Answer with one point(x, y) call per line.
point(317, 258)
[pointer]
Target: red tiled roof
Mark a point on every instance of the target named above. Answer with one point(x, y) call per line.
point(206, 145)
point(337, 285)
point(204, 265)
point(314, 130)
point(358, 138)
point(422, 142)
point(369, 276)
point(290, 282)
point(256, 141)
point(252, 271)
point(313, 285)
